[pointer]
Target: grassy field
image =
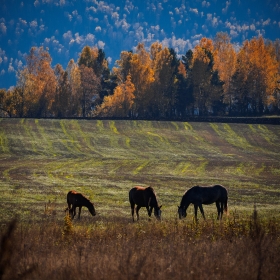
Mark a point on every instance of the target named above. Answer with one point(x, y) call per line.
point(41, 160)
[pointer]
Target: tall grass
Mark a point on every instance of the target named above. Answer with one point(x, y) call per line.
point(236, 248)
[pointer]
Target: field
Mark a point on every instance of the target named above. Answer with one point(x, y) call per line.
point(41, 160)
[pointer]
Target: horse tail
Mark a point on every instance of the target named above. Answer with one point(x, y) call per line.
point(226, 206)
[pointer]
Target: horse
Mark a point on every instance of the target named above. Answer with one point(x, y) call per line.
point(78, 200)
point(144, 197)
point(199, 195)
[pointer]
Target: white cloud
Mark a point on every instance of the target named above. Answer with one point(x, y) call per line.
point(195, 11)
point(36, 3)
point(67, 36)
point(205, 4)
point(115, 16)
point(33, 24)
point(266, 22)
point(90, 38)
point(224, 10)
point(233, 33)
point(3, 28)
point(2, 72)
point(100, 44)
point(11, 69)
point(98, 29)
point(109, 59)
point(196, 37)
point(252, 27)
point(62, 2)
point(22, 22)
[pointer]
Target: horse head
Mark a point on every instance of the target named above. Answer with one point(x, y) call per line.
point(157, 212)
point(182, 211)
point(91, 209)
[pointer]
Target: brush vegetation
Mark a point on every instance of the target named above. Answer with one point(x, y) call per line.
point(41, 160)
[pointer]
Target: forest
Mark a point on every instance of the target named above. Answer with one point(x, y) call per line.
point(216, 78)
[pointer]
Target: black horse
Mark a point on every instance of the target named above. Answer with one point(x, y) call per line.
point(144, 197)
point(78, 200)
point(204, 195)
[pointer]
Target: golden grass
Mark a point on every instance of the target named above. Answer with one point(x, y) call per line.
point(236, 248)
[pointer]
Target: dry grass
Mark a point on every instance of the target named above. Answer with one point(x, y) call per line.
point(235, 248)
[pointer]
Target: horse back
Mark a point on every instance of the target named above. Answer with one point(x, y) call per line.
point(141, 196)
point(76, 199)
point(205, 195)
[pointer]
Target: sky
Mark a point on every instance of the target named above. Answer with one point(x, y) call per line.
point(66, 26)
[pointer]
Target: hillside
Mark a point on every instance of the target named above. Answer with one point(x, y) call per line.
point(41, 160)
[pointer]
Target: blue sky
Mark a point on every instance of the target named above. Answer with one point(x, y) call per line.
point(66, 26)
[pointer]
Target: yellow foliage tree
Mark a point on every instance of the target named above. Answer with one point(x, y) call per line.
point(120, 103)
point(225, 60)
point(256, 76)
point(37, 83)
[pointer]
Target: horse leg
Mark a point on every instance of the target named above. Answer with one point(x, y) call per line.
point(80, 209)
point(201, 210)
point(222, 210)
point(132, 210)
point(218, 209)
point(195, 211)
point(73, 210)
point(149, 210)
point(137, 210)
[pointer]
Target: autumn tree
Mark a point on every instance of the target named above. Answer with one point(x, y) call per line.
point(37, 84)
point(255, 79)
point(6, 103)
point(120, 103)
point(225, 65)
point(62, 101)
point(138, 66)
point(95, 59)
point(185, 98)
point(206, 84)
point(74, 77)
point(90, 86)
point(164, 65)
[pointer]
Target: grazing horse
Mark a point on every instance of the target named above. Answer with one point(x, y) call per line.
point(78, 200)
point(204, 195)
point(144, 197)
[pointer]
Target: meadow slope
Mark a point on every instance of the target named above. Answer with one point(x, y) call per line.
point(42, 159)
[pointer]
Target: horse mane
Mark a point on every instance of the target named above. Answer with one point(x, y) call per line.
point(150, 188)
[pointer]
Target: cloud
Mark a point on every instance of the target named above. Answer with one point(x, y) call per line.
point(22, 22)
point(33, 24)
point(224, 10)
point(100, 44)
point(266, 22)
point(37, 3)
point(67, 36)
point(179, 45)
point(3, 28)
point(205, 4)
point(252, 27)
point(195, 11)
point(109, 59)
point(11, 69)
point(98, 29)
point(128, 7)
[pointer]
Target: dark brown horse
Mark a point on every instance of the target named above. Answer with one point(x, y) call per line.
point(204, 195)
point(75, 200)
point(144, 197)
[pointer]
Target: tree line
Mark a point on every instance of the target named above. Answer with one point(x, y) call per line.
point(213, 79)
